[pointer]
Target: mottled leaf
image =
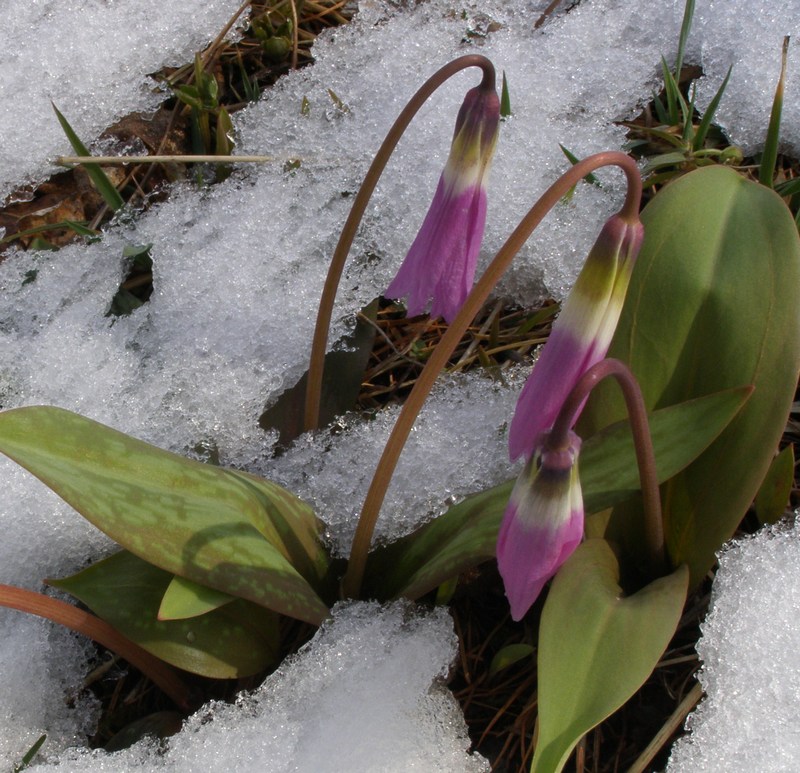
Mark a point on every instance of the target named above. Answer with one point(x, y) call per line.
point(236, 640)
point(210, 525)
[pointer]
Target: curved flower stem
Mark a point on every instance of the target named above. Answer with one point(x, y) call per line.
point(351, 583)
point(645, 457)
point(320, 340)
point(87, 624)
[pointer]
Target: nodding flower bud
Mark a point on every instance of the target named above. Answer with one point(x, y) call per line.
point(440, 266)
point(581, 335)
point(543, 522)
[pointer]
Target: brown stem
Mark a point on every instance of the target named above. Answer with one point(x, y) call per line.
point(642, 442)
point(87, 624)
point(351, 583)
point(320, 340)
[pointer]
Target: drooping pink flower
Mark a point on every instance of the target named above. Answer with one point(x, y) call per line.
point(543, 522)
point(440, 265)
point(581, 335)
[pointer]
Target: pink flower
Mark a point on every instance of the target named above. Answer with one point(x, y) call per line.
point(543, 522)
point(441, 262)
point(581, 335)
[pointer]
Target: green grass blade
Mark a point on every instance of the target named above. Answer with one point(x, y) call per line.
point(505, 99)
point(661, 110)
point(573, 159)
point(688, 15)
point(788, 187)
point(672, 93)
point(769, 157)
point(104, 186)
point(30, 754)
point(708, 116)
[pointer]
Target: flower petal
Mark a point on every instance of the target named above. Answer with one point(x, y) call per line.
point(441, 262)
point(581, 335)
point(542, 525)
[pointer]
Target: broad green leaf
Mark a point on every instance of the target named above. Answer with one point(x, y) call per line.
point(210, 525)
point(104, 186)
point(236, 640)
point(712, 304)
point(184, 599)
point(466, 535)
point(596, 646)
point(608, 468)
point(772, 498)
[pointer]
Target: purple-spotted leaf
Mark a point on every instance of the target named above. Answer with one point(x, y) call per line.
point(219, 528)
point(596, 646)
point(236, 640)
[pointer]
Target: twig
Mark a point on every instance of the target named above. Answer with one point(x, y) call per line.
point(126, 160)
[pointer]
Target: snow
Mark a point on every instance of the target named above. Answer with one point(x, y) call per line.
point(366, 694)
point(238, 270)
point(750, 648)
point(755, 54)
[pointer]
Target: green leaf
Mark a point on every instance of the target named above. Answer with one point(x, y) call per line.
point(509, 655)
point(217, 527)
point(236, 640)
point(772, 498)
point(505, 98)
point(608, 469)
point(769, 156)
point(708, 116)
point(596, 646)
point(712, 304)
point(30, 754)
point(224, 131)
point(466, 535)
point(184, 599)
point(189, 95)
point(104, 186)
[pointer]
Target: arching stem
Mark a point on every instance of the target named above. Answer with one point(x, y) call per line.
point(320, 340)
point(87, 624)
point(351, 584)
point(645, 457)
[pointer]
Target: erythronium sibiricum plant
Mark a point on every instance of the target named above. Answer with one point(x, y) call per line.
point(214, 559)
point(440, 265)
